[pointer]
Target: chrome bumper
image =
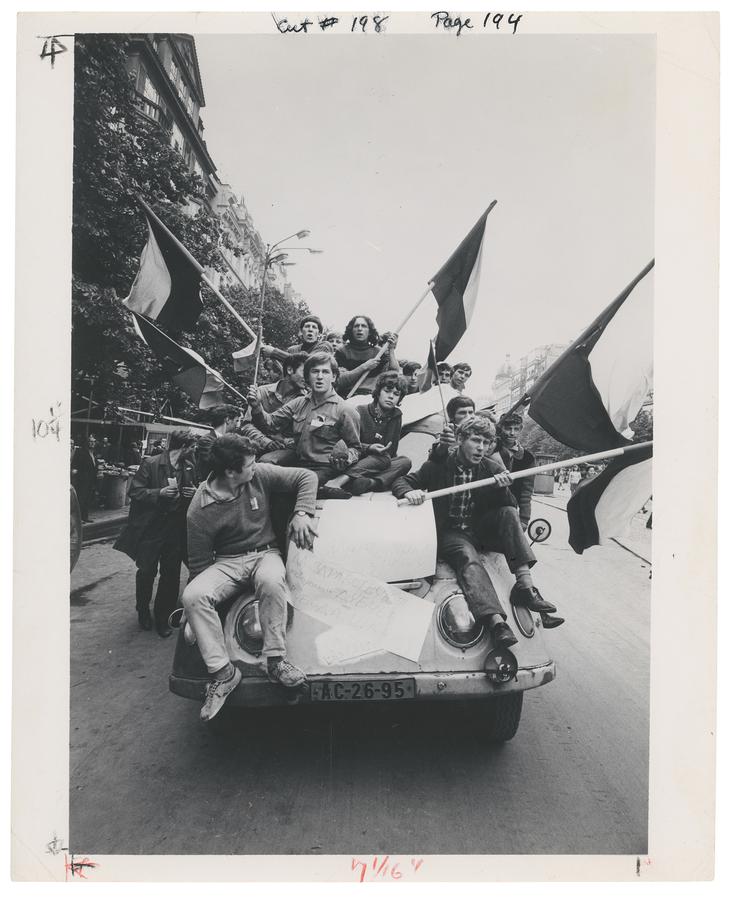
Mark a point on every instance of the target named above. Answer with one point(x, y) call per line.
point(258, 691)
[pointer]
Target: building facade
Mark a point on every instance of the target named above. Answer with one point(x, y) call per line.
point(168, 90)
point(513, 382)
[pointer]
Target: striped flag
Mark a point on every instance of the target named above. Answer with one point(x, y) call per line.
point(167, 287)
point(428, 374)
point(455, 288)
point(603, 506)
point(587, 398)
point(184, 367)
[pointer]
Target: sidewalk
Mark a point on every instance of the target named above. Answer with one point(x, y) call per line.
point(106, 523)
point(637, 540)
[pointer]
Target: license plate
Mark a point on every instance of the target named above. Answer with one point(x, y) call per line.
point(379, 689)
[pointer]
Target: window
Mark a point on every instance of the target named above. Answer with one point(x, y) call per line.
point(149, 91)
point(177, 137)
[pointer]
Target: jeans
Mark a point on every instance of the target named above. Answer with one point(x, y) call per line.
point(385, 470)
point(499, 530)
point(225, 578)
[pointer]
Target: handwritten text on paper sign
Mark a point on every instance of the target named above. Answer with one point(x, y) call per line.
point(51, 426)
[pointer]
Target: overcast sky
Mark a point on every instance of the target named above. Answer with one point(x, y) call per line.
point(388, 149)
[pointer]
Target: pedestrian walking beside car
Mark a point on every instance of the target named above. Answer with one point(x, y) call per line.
point(155, 533)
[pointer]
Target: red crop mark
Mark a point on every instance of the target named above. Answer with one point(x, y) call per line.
point(77, 866)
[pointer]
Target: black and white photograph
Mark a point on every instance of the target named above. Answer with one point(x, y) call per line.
point(361, 318)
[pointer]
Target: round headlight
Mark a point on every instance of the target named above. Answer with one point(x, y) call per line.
point(247, 628)
point(456, 623)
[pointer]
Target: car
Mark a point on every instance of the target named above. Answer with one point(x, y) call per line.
point(375, 559)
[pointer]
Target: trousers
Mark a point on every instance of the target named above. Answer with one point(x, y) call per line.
point(499, 530)
point(225, 578)
point(168, 556)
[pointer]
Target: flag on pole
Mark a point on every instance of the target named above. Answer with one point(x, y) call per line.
point(603, 507)
point(587, 398)
point(240, 356)
point(428, 374)
point(167, 288)
point(183, 366)
point(455, 289)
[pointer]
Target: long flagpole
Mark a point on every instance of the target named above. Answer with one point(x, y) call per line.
point(440, 387)
point(384, 347)
point(537, 470)
point(200, 268)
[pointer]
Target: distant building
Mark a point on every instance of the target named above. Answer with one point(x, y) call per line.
point(512, 382)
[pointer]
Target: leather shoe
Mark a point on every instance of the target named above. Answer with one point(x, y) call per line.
point(531, 598)
point(362, 485)
point(145, 619)
point(503, 635)
point(163, 629)
point(333, 493)
point(549, 621)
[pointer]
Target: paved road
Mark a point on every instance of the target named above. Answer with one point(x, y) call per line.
point(146, 777)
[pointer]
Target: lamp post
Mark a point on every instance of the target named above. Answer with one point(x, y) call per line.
point(275, 253)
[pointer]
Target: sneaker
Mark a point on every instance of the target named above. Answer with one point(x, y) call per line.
point(531, 598)
point(216, 694)
point(285, 673)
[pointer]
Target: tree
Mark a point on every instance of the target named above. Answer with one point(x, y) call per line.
point(118, 155)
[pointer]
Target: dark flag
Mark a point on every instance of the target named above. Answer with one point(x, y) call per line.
point(184, 367)
point(455, 289)
point(603, 506)
point(167, 287)
point(428, 374)
point(587, 398)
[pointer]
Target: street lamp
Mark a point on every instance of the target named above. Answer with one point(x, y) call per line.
point(272, 258)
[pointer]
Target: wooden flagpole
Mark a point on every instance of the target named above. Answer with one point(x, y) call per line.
point(383, 348)
point(537, 470)
point(200, 268)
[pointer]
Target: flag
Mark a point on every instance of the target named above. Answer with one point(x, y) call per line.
point(428, 374)
point(603, 507)
point(167, 288)
point(239, 356)
point(455, 289)
point(587, 398)
point(183, 366)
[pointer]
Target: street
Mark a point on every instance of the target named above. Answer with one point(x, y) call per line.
point(146, 777)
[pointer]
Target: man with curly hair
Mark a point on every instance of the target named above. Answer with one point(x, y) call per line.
point(359, 356)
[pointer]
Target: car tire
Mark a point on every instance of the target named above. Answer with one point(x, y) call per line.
point(75, 530)
point(500, 719)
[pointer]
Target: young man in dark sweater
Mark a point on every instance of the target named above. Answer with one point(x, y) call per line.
point(231, 543)
point(482, 519)
point(380, 425)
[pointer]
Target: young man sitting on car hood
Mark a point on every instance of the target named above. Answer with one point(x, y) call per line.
point(474, 520)
point(231, 544)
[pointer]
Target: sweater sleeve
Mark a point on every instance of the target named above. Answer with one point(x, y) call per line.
point(141, 487)
point(349, 428)
point(200, 540)
point(415, 481)
point(301, 482)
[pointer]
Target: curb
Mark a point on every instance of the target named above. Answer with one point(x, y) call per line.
point(103, 528)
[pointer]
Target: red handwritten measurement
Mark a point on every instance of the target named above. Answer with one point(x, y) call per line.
point(384, 868)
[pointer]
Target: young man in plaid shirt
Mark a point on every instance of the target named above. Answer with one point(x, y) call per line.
point(474, 520)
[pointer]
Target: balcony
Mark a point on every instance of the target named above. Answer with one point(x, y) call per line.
point(153, 111)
